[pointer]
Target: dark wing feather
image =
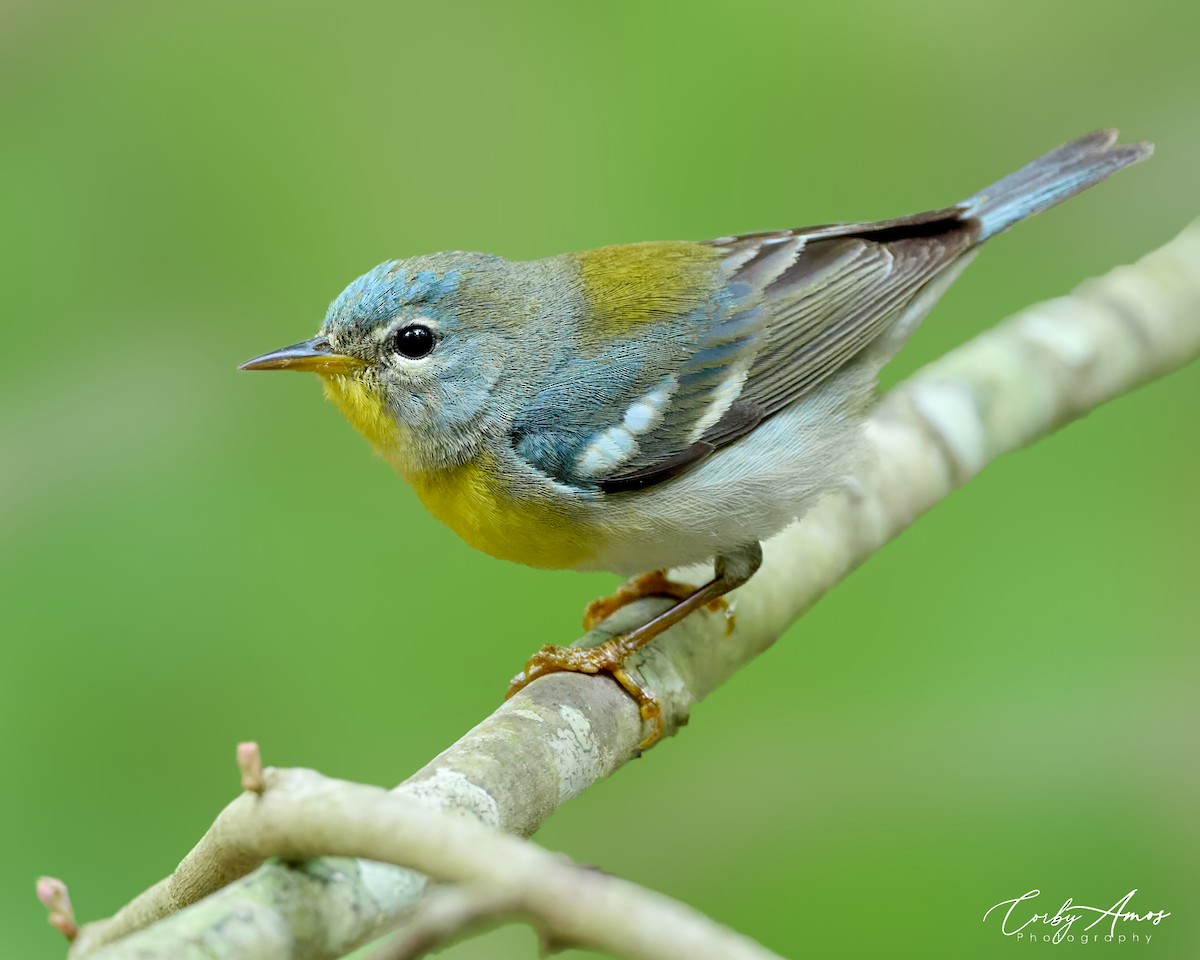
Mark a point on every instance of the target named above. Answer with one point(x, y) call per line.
point(843, 294)
point(829, 293)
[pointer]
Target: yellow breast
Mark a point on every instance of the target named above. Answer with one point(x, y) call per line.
point(475, 504)
point(471, 499)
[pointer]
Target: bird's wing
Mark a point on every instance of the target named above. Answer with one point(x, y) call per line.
point(766, 318)
point(845, 286)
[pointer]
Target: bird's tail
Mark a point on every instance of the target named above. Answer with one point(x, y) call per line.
point(1061, 173)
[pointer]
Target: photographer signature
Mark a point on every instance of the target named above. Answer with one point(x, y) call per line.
point(1068, 914)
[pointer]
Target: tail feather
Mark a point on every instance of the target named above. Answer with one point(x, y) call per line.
point(1050, 179)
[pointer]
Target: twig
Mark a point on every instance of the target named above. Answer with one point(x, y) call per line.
point(53, 894)
point(1037, 371)
point(250, 763)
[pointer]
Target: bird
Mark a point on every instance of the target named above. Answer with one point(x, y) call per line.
point(644, 406)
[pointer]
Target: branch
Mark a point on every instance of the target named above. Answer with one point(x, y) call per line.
point(1032, 374)
point(298, 815)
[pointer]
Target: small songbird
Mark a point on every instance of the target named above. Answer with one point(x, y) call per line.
point(650, 405)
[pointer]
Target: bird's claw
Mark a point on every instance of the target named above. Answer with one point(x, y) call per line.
point(608, 657)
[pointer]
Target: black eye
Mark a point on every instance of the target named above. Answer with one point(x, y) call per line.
point(414, 341)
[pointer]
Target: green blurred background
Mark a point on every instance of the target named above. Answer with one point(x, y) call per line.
point(1003, 699)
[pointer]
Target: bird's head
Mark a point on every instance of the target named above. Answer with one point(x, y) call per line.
point(412, 353)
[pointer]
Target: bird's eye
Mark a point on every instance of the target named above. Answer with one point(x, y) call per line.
point(413, 341)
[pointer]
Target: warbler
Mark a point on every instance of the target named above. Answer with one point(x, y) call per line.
point(650, 405)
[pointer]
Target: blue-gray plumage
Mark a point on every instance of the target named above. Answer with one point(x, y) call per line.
point(657, 404)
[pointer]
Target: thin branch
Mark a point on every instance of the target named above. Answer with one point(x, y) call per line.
point(1032, 374)
point(447, 914)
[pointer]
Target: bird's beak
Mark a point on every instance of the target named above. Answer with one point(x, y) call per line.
point(314, 356)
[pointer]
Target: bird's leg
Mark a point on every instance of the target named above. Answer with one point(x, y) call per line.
point(653, 584)
point(732, 570)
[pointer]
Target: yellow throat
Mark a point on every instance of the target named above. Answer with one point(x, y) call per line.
point(469, 498)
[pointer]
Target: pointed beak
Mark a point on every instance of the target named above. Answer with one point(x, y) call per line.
point(314, 356)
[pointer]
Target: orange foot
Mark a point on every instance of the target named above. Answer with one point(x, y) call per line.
point(608, 657)
point(730, 572)
point(653, 584)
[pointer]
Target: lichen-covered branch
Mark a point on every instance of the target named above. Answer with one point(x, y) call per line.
point(1028, 376)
